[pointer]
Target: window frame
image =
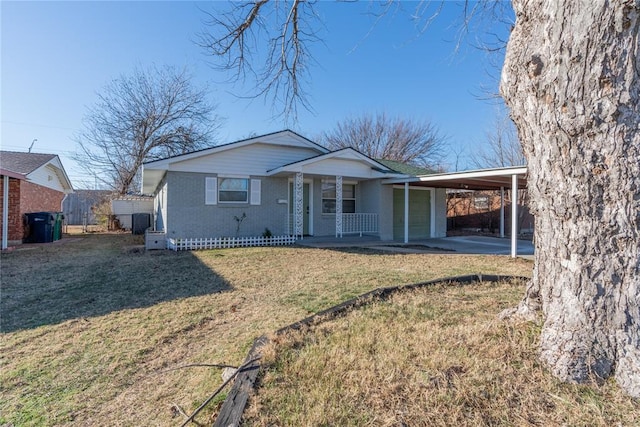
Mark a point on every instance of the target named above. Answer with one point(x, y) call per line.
point(247, 189)
point(344, 199)
point(481, 201)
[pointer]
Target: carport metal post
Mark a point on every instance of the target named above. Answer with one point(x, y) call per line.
point(514, 215)
point(406, 212)
point(502, 212)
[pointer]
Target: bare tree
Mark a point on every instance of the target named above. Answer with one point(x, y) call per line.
point(572, 84)
point(384, 137)
point(146, 116)
point(502, 147)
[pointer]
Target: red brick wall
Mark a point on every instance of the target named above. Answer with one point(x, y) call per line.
point(26, 197)
point(462, 212)
point(36, 198)
point(15, 219)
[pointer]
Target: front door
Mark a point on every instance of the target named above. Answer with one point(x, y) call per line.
point(305, 208)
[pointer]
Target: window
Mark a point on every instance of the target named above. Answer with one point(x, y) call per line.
point(233, 190)
point(329, 197)
point(481, 202)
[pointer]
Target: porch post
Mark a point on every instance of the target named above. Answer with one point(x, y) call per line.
point(502, 212)
point(514, 215)
point(406, 212)
point(5, 211)
point(298, 219)
point(432, 214)
point(338, 206)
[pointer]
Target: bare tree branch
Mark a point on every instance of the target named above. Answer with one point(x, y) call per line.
point(148, 115)
point(502, 146)
point(383, 137)
point(253, 28)
point(267, 43)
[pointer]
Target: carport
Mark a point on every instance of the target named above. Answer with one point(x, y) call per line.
point(514, 178)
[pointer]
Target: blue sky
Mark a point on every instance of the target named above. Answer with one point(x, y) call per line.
point(56, 56)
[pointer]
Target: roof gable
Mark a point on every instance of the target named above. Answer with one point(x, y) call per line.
point(251, 156)
point(285, 138)
point(38, 168)
point(339, 161)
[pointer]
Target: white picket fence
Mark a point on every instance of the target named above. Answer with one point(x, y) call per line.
point(228, 242)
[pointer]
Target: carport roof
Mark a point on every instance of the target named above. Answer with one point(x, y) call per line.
point(483, 179)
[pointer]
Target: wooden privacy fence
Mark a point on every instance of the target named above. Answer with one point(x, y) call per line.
point(228, 242)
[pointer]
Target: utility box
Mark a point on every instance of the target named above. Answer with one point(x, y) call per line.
point(140, 222)
point(155, 240)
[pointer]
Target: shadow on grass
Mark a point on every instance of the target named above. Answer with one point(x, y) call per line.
point(93, 276)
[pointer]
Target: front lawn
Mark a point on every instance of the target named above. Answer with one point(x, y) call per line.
point(434, 356)
point(92, 328)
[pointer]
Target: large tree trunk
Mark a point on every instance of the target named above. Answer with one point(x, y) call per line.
point(571, 79)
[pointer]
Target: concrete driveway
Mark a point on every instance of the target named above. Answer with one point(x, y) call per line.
point(479, 245)
point(457, 244)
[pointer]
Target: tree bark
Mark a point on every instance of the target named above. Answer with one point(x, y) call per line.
point(571, 80)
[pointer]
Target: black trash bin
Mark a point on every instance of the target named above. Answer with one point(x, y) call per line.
point(41, 226)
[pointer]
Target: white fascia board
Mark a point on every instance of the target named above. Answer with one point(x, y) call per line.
point(481, 173)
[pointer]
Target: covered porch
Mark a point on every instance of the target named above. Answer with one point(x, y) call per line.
point(335, 194)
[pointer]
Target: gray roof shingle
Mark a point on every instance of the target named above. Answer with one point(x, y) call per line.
point(23, 163)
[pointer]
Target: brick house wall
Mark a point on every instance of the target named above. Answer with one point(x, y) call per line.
point(481, 210)
point(27, 197)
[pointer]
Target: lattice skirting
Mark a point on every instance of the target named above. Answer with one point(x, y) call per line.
point(228, 242)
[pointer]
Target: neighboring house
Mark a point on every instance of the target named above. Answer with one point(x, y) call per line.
point(34, 183)
point(79, 208)
point(289, 185)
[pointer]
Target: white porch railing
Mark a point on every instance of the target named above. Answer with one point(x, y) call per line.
point(359, 223)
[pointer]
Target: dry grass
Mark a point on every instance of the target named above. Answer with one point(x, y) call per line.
point(436, 357)
point(90, 326)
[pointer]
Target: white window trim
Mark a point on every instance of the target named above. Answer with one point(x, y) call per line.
point(229, 176)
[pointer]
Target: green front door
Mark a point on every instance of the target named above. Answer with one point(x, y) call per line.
point(419, 214)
